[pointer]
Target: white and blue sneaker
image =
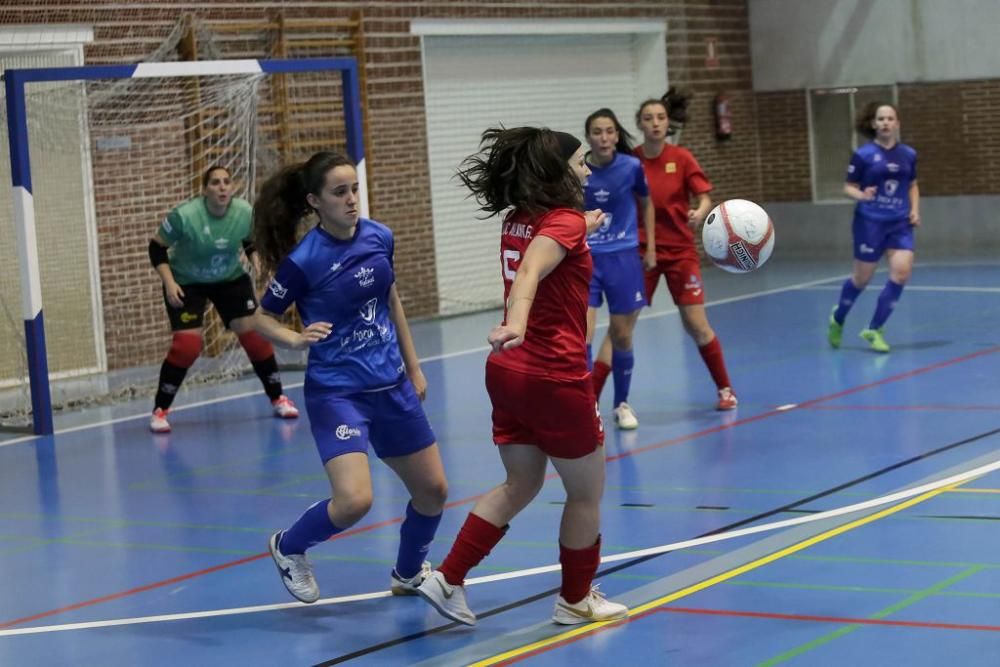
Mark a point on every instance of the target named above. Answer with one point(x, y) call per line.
point(295, 571)
point(400, 586)
point(447, 599)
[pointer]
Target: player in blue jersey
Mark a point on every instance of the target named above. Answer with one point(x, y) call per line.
point(616, 181)
point(882, 178)
point(363, 380)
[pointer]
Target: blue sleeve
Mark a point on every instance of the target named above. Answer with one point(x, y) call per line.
point(914, 166)
point(390, 242)
point(288, 284)
point(856, 170)
point(639, 186)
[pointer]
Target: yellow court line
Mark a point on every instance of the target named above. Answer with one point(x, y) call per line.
point(974, 490)
point(684, 592)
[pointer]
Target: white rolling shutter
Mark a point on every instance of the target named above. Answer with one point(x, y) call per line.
point(475, 82)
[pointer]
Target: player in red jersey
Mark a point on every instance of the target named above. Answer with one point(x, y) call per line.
point(543, 399)
point(674, 177)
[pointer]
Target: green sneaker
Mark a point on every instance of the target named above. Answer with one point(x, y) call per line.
point(835, 332)
point(875, 339)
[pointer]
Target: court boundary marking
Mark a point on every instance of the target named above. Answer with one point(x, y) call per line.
point(922, 492)
point(826, 619)
point(437, 357)
point(660, 445)
point(563, 638)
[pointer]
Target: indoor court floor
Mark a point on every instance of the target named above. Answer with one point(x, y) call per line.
point(119, 547)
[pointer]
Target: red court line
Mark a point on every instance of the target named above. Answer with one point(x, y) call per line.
point(807, 404)
point(830, 619)
point(947, 408)
point(616, 457)
point(198, 573)
point(752, 614)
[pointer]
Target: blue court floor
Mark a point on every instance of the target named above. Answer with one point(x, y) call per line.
point(118, 547)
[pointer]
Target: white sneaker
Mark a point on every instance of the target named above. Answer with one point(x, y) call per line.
point(158, 421)
point(625, 417)
point(594, 607)
point(295, 570)
point(400, 586)
point(284, 408)
point(447, 599)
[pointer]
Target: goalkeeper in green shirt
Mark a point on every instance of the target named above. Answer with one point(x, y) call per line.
point(196, 252)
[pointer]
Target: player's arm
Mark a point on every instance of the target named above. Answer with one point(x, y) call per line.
point(266, 324)
point(649, 223)
point(700, 211)
point(161, 263)
point(854, 191)
point(914, 204)
point(406, 347)
point(542, 256)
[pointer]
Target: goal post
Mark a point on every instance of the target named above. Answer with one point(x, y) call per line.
point(16, 82)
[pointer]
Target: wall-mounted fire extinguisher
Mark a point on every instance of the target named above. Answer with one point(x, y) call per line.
point(723, 118)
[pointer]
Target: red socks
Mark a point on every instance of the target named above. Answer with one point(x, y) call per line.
point(578, 569)
point(711, 354)
point(474, 542)
point(599, 376)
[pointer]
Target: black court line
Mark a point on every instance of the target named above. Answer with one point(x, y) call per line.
point(374, 648)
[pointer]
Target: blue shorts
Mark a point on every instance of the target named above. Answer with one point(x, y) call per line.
point(872, 238)
point(618, 275)
point(392, 420)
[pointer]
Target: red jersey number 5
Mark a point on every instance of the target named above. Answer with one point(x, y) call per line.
point(511, 260)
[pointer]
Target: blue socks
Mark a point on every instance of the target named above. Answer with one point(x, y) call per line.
point(848, 294)
point(313, 527)
point(622, 362)
point(415, 537)
point(886, 303)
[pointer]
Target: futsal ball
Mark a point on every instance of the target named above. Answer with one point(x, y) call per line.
point(738, 236)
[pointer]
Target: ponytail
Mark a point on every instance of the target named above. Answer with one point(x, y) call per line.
point(282, 204)
point(277, 211)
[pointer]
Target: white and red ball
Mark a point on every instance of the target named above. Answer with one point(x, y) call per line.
point(738, 236)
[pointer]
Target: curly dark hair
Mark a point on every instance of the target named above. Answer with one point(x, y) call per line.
point(863, 122)
point(282, 204)
point(520, 167)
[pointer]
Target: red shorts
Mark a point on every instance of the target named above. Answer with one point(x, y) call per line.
point(560, 417)
point(683, 280)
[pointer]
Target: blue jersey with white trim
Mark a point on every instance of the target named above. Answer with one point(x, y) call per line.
point(613, 189)
point(892, 171)
point(346, 283)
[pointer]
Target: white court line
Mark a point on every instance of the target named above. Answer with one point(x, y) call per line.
point(922, 288)
point(436, 357)
point(652, 551)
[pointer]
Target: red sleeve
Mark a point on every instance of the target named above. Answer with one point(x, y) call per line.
point(694, 178)
point(565, 226)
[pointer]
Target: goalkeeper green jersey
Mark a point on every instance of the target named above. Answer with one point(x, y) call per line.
point(205, 248)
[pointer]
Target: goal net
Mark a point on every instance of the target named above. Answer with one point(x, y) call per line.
point(110, 156)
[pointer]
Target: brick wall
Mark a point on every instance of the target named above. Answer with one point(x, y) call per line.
point(953, 126)
point(783, 128)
